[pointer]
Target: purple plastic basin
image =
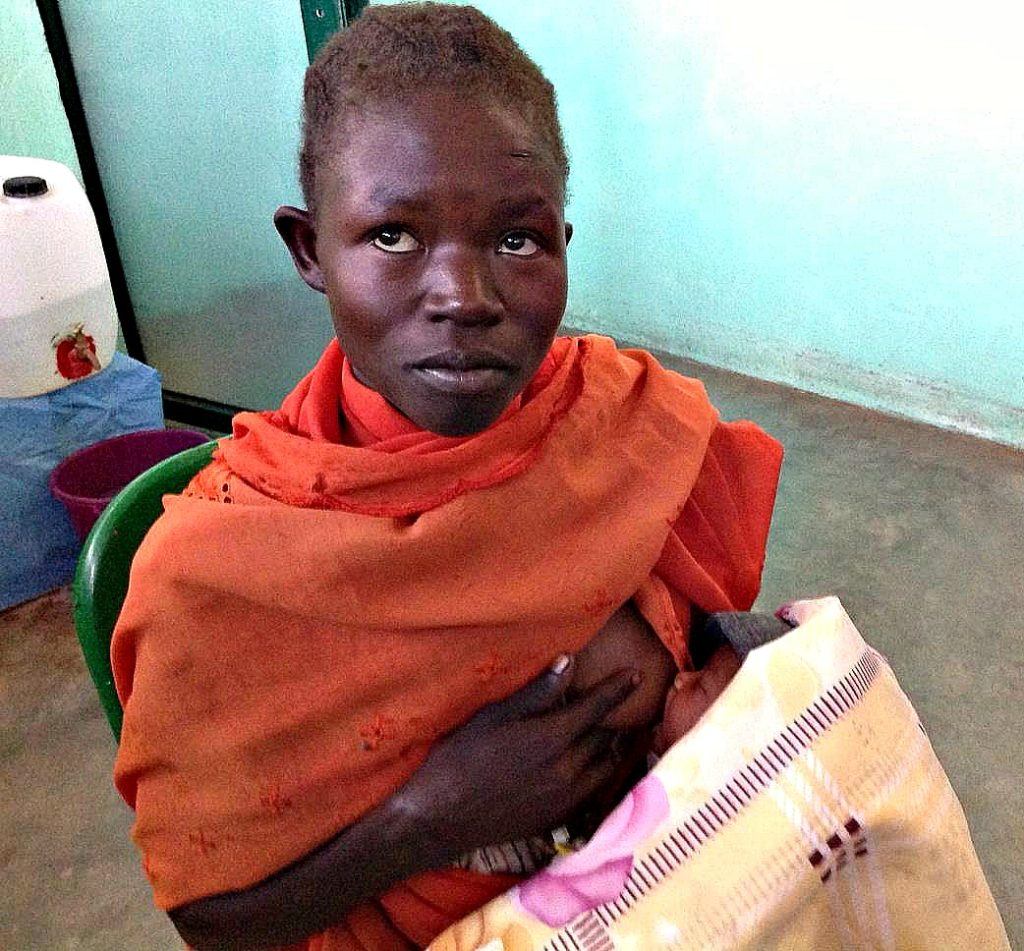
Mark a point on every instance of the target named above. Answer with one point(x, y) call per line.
point(87, 480)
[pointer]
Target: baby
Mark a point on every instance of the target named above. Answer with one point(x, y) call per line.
point(323, 654)
point(672, 700)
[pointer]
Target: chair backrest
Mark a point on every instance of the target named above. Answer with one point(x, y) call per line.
point(101, 578)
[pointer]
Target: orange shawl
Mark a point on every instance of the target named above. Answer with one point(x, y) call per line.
point(286, 661)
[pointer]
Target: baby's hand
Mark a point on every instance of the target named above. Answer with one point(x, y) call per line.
point(692, 693)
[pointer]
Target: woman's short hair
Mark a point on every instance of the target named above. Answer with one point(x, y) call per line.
point(393, 51)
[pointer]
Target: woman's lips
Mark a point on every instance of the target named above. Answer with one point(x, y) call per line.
point(475, 381)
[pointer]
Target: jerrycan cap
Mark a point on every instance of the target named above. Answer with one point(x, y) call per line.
point(25, 186)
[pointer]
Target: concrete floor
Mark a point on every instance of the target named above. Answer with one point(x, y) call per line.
point(919, 532)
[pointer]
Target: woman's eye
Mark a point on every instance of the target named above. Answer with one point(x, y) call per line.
point(395, 240)
point(515, 242)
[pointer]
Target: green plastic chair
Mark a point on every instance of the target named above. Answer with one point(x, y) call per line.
point(101, 577)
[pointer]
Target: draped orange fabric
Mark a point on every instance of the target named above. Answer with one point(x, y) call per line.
point(285, 661)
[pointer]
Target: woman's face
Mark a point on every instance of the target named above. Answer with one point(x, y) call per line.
point(439, 241)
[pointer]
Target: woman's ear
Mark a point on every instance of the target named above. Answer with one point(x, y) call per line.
point(296, 227)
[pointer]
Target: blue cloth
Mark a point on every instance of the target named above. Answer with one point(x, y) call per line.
point(38, 546)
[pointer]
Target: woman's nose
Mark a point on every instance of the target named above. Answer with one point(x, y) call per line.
point(461, 288)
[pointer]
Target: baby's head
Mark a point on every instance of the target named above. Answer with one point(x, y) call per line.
point(434, 173)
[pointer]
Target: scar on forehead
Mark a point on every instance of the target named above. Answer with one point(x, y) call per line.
point(521, 153)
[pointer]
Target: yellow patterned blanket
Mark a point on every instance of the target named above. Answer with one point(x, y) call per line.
point(806, 810)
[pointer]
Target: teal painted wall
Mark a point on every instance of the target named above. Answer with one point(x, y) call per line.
point(193, 110)
point(827, 195)
point(32, 120)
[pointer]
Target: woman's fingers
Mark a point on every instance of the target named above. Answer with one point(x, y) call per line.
point(589, 747)
point(580, 715)
point(593, 768)
point(470, 789)
point(538, 696)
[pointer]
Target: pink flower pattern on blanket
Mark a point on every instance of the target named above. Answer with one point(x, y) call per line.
point(596, 874)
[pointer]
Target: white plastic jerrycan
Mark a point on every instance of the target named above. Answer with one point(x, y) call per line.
point(57, 318)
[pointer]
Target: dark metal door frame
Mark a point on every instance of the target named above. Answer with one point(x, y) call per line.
point(321, 19)
point(67, 84)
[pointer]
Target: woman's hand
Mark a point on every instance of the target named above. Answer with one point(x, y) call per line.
point(520, 766)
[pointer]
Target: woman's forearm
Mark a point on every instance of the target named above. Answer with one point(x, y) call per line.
point(467, 793)
point(384, 847)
